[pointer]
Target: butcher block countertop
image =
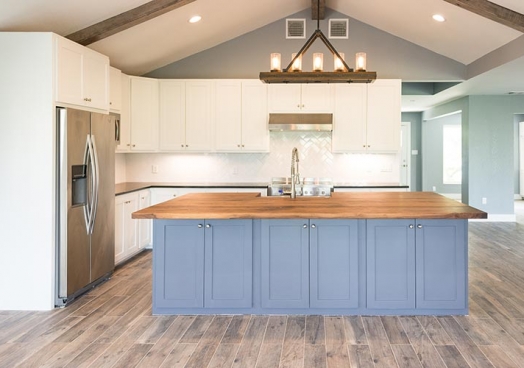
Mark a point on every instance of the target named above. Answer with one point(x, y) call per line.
point(374, 205)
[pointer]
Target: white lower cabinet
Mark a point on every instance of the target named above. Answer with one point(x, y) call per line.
point(131, 236)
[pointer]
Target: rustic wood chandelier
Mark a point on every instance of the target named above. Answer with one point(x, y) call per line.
point(342, 73)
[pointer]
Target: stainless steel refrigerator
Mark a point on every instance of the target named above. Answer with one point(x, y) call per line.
point(85, 201)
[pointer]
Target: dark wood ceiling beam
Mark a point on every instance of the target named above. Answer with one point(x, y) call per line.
point(125, 20)
point(317, 10)
point(492, 11)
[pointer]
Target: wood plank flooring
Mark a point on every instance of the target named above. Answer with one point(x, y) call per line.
point(112, 326)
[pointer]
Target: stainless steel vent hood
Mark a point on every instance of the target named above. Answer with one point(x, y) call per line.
point(311, 122)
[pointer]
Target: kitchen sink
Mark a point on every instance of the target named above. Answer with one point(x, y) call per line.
point(307, 187)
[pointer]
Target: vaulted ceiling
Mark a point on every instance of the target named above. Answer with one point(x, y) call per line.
point(465, 36)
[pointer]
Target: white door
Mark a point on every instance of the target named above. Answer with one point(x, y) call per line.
point(172, 116)
point(255, 133)
point(144, 114)
point(405, 156)
point(199, 107)
point(228, 115)
point(317, 98)
point(144, 226)
point(96, 80)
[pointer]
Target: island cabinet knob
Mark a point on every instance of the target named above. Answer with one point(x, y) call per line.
point(199, 226)
point(304, 226)
point(419, 226)
point(208, 226)
point(411, 226)
point(313, 226)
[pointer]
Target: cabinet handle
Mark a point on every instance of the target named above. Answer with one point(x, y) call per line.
point(208, 226)
point(199, 226)
point(419, 226)
point(313, 226)
point(304, 226)
point(411, 226)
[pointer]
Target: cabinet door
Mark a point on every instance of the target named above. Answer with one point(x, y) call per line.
point(124, 145)
point(144, 114)
point(69, 71)
point(390, 264)
point(228, 264)
point(383, 115)
point(255, 132)
point(119, 229)
point(199, 106)
point(284, 97)
point(115, 89)
point(144, 226)
point(334, 263)
point(317, 98)
point(130, 225)
point(172, 116)
point(96, 80)
point(285, 263)
point(441, 264)
point(228, 116)
point(178, 264)
point(349, 125)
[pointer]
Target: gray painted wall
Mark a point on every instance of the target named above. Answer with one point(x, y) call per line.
point(246, 56)
point(487, 148)
point(432, 161)
point(415, 118)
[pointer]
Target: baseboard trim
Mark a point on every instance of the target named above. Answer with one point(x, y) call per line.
point(497, 218)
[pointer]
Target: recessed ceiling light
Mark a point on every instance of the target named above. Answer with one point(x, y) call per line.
point(195, 19)
point(439, 18)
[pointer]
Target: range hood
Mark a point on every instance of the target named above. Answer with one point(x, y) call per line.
point(311, 122)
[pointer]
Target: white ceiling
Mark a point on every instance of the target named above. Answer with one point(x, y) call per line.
point(464, 36)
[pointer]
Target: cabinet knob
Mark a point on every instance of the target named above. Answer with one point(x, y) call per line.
point(128, 144)
point(110, 103)
point(313, 226)
point(181, 145)
point(369, 146)
point(208, 226)
point(242, 146)
point(199, 226)
point(364, 146)
point(411, 226)
point(174, 195)
point(419, 226)
point(238, 145)
point(134, 145)
point(298, 105)
point(304, 226)
point(187, 145)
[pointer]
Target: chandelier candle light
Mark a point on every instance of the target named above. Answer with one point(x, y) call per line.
point(342, 73)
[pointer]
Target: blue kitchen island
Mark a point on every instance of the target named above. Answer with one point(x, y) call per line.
point(385, 253)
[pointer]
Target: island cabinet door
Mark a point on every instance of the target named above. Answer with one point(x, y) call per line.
point(285, 263)
point(228, 264)
point(178, 264)
point(334, 263)
point(441, 264)
point(390, 264)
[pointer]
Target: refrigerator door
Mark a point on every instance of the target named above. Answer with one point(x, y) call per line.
point(73, 187)
point(103, 221)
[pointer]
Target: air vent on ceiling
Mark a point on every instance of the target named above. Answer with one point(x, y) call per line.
point(295, 28)
point(338, 28)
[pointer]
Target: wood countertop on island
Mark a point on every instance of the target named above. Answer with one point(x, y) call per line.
point(369, 205)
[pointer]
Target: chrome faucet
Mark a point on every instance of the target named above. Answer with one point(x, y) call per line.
point(295, 176)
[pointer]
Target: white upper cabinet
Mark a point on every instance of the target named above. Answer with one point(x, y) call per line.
point(186, 119)
point(144, 114)
point(384, 115)
point(124, 129)
point(367, 117)
point(241, 116)
point(82, 76)
point(297, 98)
point(115, 90)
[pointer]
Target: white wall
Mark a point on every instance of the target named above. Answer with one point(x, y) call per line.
point(316, 160)
point(120, 168)
point(27, 249)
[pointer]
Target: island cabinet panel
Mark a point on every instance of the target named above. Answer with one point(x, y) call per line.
point(390, 264)
point(441, 254)
point(285, 263)
point(178, 264)
point(334, 264)
point(228, 263)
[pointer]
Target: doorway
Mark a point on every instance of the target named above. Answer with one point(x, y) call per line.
point(405, 154)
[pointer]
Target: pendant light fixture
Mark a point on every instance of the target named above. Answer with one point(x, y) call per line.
point(342, 72)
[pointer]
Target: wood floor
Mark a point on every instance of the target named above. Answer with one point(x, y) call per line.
point(112, 326)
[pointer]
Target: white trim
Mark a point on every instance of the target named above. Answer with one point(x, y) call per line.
point(408, 125)
point(497, 218)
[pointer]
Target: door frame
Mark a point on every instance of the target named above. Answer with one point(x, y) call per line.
point(407, 124)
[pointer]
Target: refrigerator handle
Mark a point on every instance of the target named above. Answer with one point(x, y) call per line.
point(87, 207)
point(96, 180)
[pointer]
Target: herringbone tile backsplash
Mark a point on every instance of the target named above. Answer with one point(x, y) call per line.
point(316, 160)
